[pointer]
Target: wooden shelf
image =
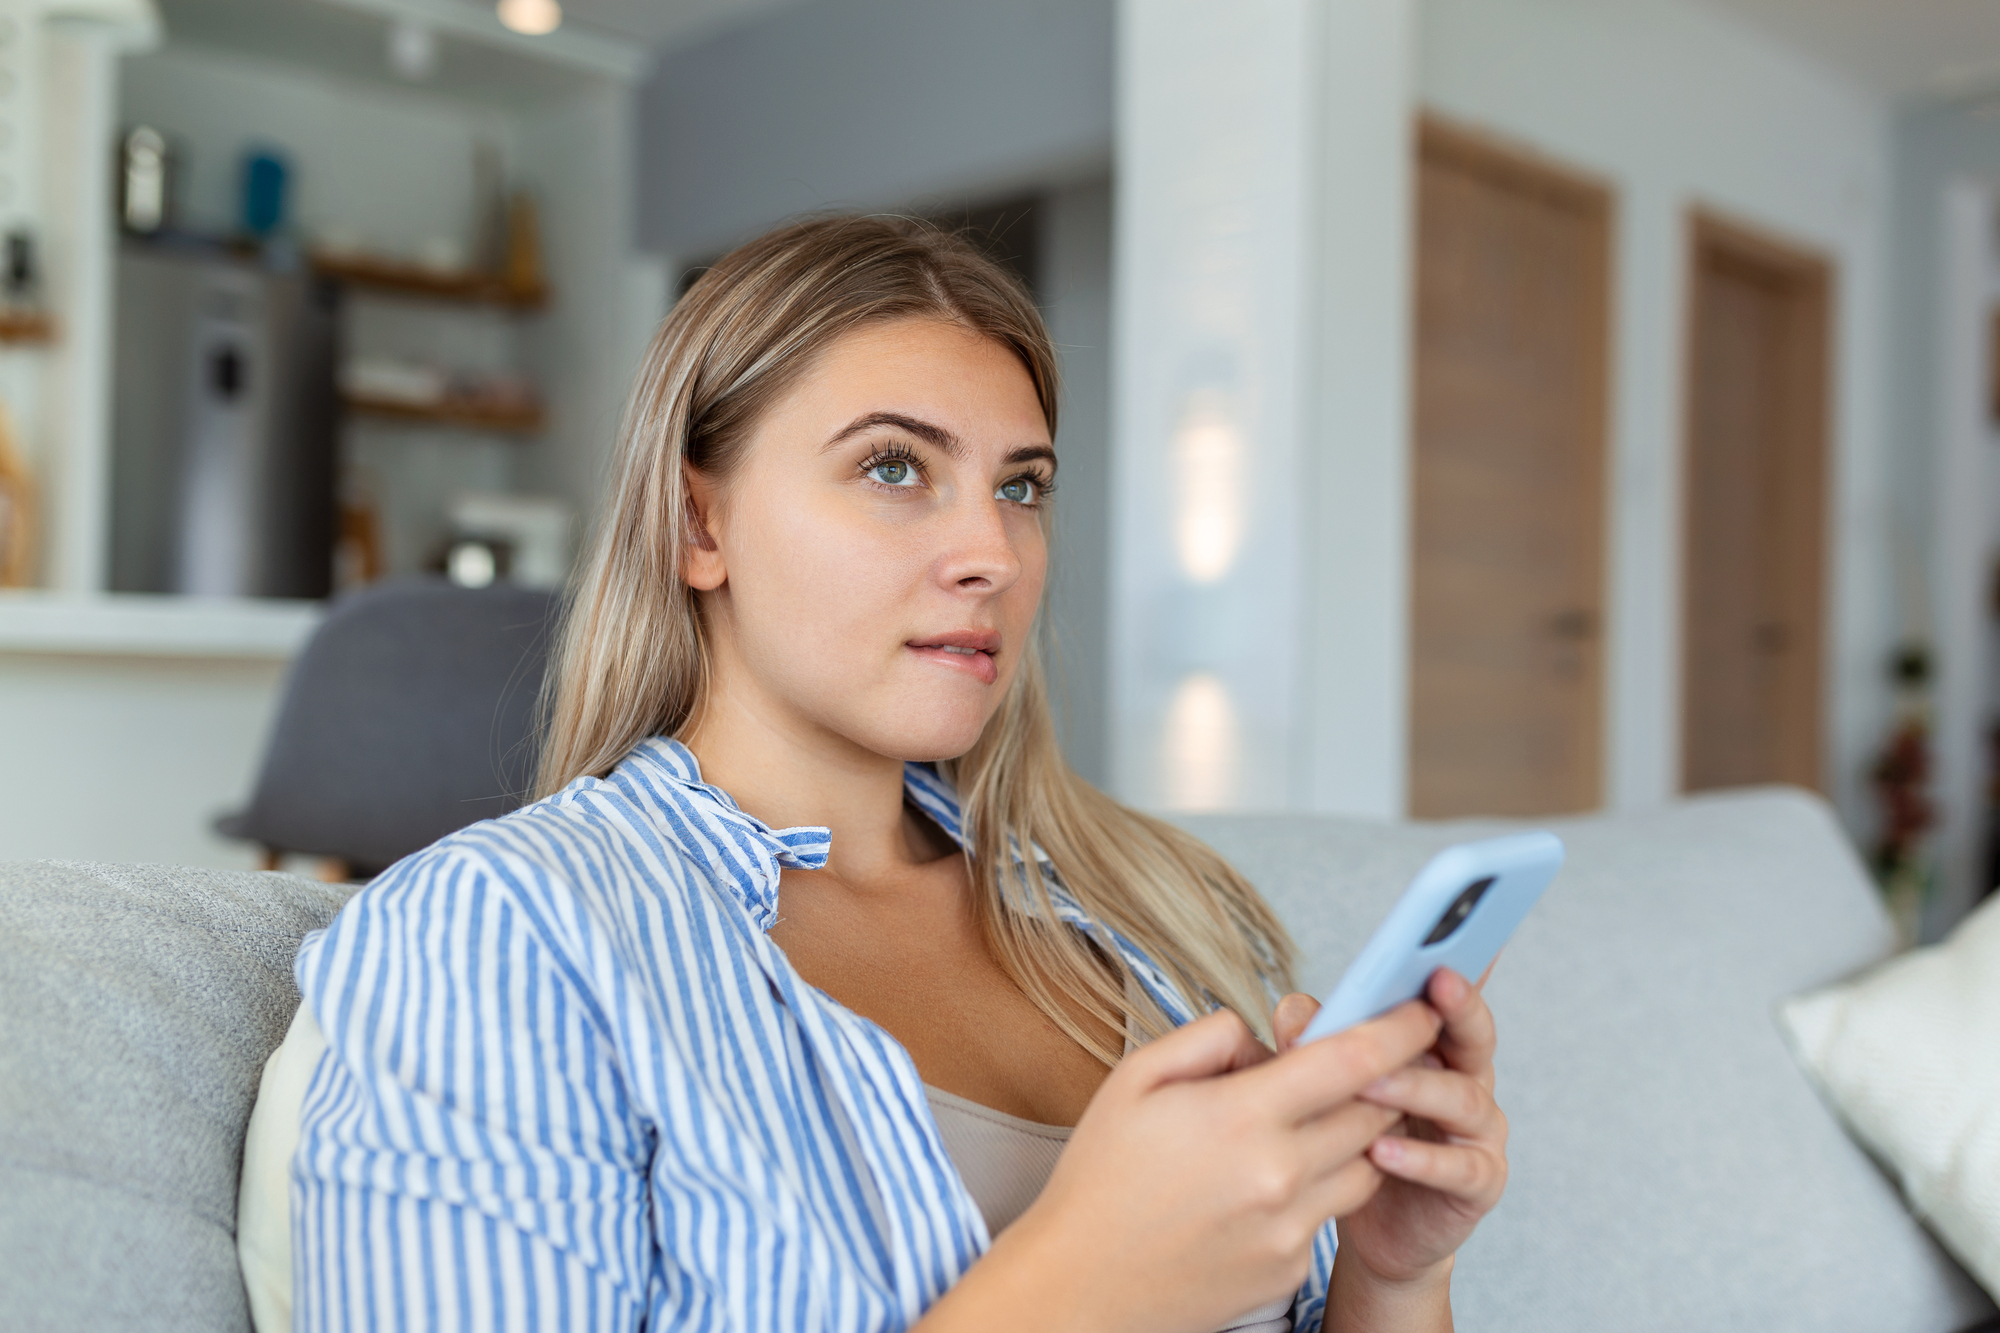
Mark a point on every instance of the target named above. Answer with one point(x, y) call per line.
point(464, 416)
point(398, 279)
point(26, 328)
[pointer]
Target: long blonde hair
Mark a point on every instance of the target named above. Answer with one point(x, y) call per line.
point(632, 659)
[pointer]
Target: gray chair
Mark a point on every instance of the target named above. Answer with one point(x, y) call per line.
point(409, 715)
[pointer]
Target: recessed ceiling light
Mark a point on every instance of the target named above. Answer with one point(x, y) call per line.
point(533, 17)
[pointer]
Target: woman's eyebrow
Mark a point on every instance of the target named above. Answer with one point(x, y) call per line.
point(1028, 453)
point(926, 431)
point(937, 436)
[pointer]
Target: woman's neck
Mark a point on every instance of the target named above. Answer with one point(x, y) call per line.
point(788, 771)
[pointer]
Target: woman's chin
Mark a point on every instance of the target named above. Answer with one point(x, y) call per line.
point(936, 739)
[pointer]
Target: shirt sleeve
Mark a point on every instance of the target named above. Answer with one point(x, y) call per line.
point(1309, 1310)
point(469, 1156)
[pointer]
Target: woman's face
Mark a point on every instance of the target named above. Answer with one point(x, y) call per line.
point(878, 555)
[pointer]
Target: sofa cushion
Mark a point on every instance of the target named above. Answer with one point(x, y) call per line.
point(137, 1007)
point(1909, 1054)
point(1672, 1168)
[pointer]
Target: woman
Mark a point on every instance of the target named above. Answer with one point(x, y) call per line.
point(815, 958)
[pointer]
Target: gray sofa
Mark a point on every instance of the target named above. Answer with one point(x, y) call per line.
point(1672, 1169)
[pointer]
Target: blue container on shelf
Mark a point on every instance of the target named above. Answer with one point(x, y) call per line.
point(264, 176)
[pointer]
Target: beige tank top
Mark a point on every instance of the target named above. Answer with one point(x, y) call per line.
point(1005, 1160)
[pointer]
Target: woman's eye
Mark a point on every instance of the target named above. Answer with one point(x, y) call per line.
point(1021, 490)
point(893, 472)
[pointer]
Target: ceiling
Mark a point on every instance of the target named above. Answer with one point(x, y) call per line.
point(664, 23)
point(1901, 48)
point(1898, 47)
point(354, 44)
point(351, 39)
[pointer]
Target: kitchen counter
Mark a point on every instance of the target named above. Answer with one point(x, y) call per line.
point(150, 625)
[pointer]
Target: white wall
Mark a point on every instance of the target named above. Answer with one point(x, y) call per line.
point(1947, 277)
point(870, 103)
point(1357, 658)
point(392, 168)
point(578, 159)
point(74, 452)
point(1075, 248)
point(1965, 514)
point(118, 758)
point(1260, 442)
point(1677, 105)
point(58, 103)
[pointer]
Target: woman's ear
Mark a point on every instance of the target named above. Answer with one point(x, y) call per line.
point(702, 563)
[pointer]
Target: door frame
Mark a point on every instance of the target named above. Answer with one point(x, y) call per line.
point(1523, 166)
point(1708, 230)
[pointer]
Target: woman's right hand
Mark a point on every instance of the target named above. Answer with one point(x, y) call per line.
point(1195, 1182)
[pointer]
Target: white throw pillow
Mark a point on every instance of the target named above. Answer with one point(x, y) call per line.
point(1909, 1054)
point(264, 1193)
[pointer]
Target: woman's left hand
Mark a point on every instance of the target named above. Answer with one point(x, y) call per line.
point(1445, 1164)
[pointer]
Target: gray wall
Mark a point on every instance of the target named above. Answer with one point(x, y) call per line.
point(1076, 299)
point(1942, 526)
point(870, 103)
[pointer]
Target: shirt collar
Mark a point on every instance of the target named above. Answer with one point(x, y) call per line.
point(664, 762)
point(669, 769)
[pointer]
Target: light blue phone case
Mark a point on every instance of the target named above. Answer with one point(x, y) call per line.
point(1398, 963)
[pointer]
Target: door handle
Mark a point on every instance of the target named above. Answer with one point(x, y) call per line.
point(1771, 636)
point(1576, 624)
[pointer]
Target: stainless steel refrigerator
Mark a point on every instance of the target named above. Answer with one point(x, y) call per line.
point(225, 425)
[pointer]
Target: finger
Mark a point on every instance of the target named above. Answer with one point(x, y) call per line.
point(1290, 1018)
point(1456, 1103)
point(1217, 1043)
point(1468, 1038)
point(1309, 1080)
point(1342, 1192)
point(1472, 1174)
point(1330, 1142)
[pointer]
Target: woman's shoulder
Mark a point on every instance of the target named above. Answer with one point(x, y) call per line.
point(588, 889)
point(545, 857)
point(600, 847)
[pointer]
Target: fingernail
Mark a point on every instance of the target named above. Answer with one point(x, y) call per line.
point(1388, 1149)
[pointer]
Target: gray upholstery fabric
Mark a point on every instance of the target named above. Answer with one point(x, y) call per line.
point(406, 718)
point(1672, 1169)
point(137, 1007)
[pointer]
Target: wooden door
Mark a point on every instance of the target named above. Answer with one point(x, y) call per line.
point(1507, 670)
point(1754, 510)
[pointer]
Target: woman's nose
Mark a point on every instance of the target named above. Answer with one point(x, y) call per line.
point(979, 553)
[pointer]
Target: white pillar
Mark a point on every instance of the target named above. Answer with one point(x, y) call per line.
point(1964, 546)
point(1260, 444)
point(81, 240)
point(64, 113)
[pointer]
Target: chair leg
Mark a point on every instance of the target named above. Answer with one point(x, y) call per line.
point(269, 858)
point(332, 870)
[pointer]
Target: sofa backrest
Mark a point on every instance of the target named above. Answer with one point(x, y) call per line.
point(1671, 1167)
point(137, 1007)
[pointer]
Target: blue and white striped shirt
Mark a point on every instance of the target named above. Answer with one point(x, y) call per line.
point(572, 1084)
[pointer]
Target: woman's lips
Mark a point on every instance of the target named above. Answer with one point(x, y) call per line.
point(968, 652)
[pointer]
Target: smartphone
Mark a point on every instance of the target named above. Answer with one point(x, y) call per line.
point(1457, 912)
